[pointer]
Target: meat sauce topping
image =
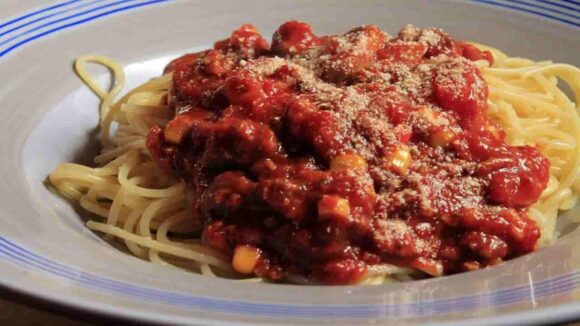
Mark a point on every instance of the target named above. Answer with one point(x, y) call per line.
point(325, 157)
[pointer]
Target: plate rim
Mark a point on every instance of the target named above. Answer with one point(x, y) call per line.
point(56, 298)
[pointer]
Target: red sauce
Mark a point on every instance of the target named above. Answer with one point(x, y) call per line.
point(324, 157)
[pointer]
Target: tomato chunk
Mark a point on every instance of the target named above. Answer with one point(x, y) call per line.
point(471, 52)
point(410, 53)
point(460, 88)
point(293, 37)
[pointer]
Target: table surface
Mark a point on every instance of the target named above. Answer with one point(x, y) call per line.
point(14, 313)
point(20, 309)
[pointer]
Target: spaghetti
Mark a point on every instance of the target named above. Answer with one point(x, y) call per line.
point(134, 199)
point(526, 101)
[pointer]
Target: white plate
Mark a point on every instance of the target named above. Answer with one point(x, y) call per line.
point(47, 117)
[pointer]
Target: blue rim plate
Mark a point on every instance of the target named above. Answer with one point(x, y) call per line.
point(46, 117)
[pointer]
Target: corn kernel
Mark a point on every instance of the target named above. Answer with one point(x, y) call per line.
point(333, 207)
point(427, 113)
point(245, 259)
point(173, 135)
point(441, 138)
point(348, 162)
point(400, 160)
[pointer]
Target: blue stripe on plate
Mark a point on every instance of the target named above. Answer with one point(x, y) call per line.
point(63, 19)
point(572, 1)
point(21, 256)
point(529, 11)
point(79, 22)
point(571, 14)
point(558, 4)
point(538, 9)
point(32, 14)
point(49, 16)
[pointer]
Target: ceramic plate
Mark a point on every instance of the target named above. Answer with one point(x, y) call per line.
point(47, 117)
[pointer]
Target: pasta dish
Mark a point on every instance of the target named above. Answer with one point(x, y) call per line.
point(359, 158)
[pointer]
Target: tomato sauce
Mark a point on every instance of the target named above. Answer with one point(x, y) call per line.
point(324, 157)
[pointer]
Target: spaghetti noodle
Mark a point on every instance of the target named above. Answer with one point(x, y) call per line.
point(134, 199)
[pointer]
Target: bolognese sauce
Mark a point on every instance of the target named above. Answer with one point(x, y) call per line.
point(327, 157)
